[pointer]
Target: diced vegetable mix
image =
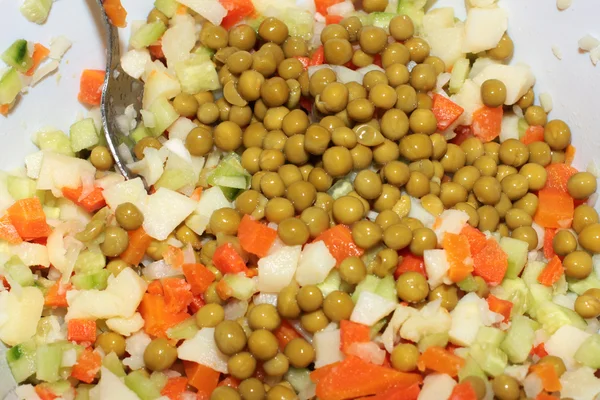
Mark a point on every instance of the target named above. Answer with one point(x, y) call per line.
point(340, 209)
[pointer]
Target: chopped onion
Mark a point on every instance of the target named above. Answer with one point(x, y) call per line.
point(345, 74)
point(235, 309)
point(588, 43)
point(126, 122)
point(563, 4)
point(442, 80)
point(58, 47)
point(44, 71)
point(265, 298)
point(212, 10)
point(160, 269)
point(369, 68)
point(342, 9)
point(540, 235)
point(532, 385)
point(557, 52)
point(315, 68)
point(546, 102)
point(174, 242)
point(178, 148)
point(188, 255)
point(592, 200)
point(298, 328)
point(318, 28)
point(125, 153)
point(368, 351)
point(148, 119)
point(518, 111)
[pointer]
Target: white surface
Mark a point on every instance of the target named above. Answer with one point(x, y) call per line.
point(534, 25)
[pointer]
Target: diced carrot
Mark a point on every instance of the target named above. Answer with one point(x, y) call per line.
point(352, 332)
point(230, 381)
point(8, 231)
point(502, 307)
point(201, 377)
point(237, 10)
point(156, 50)
point(198, 276)
point(397, 393)
point(547, 373)
point(28, 218)
point(178, 295)
point(224, 290)
point(377, 60)
point(255, 237)
point(139, 241)
point(410, 262)
point(155, 287)
point(56, 296)
point(90, 86)
point(115, 13)
point(555, 209)
point(305, 61)
point(285, 333)
point(92, 202)
point(323, 5)
point(534, 133)
point(322, 372)
point(539, 350)
point(40, 52)
point(81, 330)
point(476, 238)
point(545, 396)
point(569, 154)
point(463, 132)
point(156, 317)
point(549, 234)
point(463, 391)
point(317, 57)
point(458, 253)
point(487, 123)
point(440, 360)
point(227, 260)
point(306, 103)
point(339, 242)
point(173, 256)
point(558, 176)
point(196, 304)
point(491, 263)
point(446, 111)
point(44, 392)
point(87, 366)
point(174, 387)
point(333, 19)
point(552, 272)
point(181, 9)
point(4, 109)
point(196, 194)
point(354, 377)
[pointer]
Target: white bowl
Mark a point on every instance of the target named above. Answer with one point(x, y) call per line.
point(534, 25)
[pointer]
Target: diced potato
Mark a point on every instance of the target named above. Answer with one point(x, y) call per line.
point(19, 314)
point(164, 211)
point(438, 18)
point(370, 308)
point(179, 40)
point(110, 387)
point(447, 43)
point(484, 29)
point(132, 191)
point(517, 78)
point(277, 270)
point(315, 263)
point(327, 347)
point(437, 386)
point(203, 349)
point(126, 326)
point(159, 84)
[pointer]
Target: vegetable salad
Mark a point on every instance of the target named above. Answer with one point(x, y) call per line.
point(342, 204)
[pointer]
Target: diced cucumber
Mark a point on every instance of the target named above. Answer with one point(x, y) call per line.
point(331, 283)
point(471, 368)
point(17, 56)
point(159, 380)
point(459, 74)
point(204, 52)
point(519, 339)
point(230, 167)
point(19, 187)
point(20, 273)
point(491, 359)
point(10, 86)
point(369, 284)
point(376, 328)
point(52, 212)
point(299, 378)
point(183, 330)
point(436, 339)
point(61, 388)
point(579, 286)
point(415, 9)
point(48, 359)
point(537, 295)
point(516, 251)
point(36, 11)
point(589, 352)
point(164, 115)
point(231, 193)
point(340, 188)
point(139, 132)
point(56, 141)
point(83, 135)
point(381, 19)
point(552, 316)
point(147, 34)
point(532, 271)
point(141, 385)
point(235, 182)
point(386, 288)
point(167, 7)
point(522, 126)
point(94, 281)
point(242, 287)
point(113, 364)
point(197, 75)
point(516, 292)
point(83, 392)
point(487, 335)
point(89, 262)
point(176, 178)
point(469, 284)
point(22, 360)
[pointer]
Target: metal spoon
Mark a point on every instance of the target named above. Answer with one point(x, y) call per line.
point(119, 91)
